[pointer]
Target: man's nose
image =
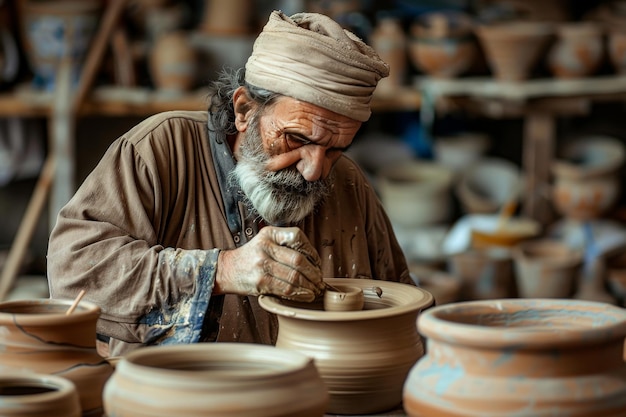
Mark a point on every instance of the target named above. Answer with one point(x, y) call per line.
point(314, 163)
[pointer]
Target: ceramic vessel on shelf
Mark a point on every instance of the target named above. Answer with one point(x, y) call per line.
point(520, 357)
point(233, 17)
point(546, 268)
point(25, 394)
point(363, 356)
point(485, 273)
point(442, 45)
point(54, 29)
point(513, 49)
point(416, 193)
point(173, 63)
point(215, 380)
point(389, 41)
point(586, 177)
point(487, 184)
point(578, 50)
point(460, 151)
point(37, 335)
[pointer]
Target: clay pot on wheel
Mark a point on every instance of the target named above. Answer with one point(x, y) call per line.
point(38, 336)
point(215, 380)
point(363, 356)
point(523, 358)
point(25, 394)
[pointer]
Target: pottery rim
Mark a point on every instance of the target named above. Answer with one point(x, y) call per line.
point(41, 311)
point(56, 392)
point(397, 298)
point(343, 298)
point(460, 322)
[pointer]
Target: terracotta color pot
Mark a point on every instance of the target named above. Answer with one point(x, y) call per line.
point(37, 335)
point(416, 193)
point(363, 356)
point(389, 41)
point(546, 268)
point(523, 358)
point(616, 45)
point(173, 63)
point(586, 177)
point(215, 380)
point(233, 17)
point(513, 49)
point(442, 44)
point(24, 394)
point(578, 50)
point(484, 273)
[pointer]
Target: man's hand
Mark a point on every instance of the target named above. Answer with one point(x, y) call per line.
point(278, 261)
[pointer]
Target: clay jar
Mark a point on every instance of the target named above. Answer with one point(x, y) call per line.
point(363, 356)
point(389, 41)
point(523, 358)
point(546, 268)
point(25, 394)
point(343, 298)
point(173, 63)
point(215, 380)
point(513, 49)
point(578, 50)
point(586, 177)
point(37, 335)
point(442, 44)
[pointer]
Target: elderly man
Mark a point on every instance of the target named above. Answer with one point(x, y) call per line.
point(189, 216)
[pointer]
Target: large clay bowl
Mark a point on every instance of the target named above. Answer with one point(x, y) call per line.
point(37, 335)
point(523, 358)
point(363, 356)
point(215, 380)
point(25, 394)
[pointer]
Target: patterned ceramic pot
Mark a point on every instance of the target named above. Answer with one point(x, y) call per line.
point(520, 357)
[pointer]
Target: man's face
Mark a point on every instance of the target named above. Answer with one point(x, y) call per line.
point(285, 157)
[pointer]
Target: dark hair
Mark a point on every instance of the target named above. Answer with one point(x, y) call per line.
point(221, 111)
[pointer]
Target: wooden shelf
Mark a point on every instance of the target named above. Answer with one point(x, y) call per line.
point(111, 101)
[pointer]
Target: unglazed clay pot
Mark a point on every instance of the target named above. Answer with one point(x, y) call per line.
point(578, 50)
point(38, 336)
point(546, 268)
point(343, 298)
point(363, 356)
point(215, 380)
point(513, 49)
point(523, 358)
point(25, 394)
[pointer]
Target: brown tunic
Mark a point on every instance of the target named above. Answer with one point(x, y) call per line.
point(142, 234)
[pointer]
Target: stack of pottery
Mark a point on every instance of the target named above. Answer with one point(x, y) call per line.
point(578, 50)
point(38, 336)
point(416, 193)
point(523, 358)
point(215, 380)
point(363, 356)
point(35, 395)
point(546, 268)
point(513, 49)
point(586, 177)
point(442, 44)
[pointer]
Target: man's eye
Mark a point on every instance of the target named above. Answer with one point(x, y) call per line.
point(294, 142)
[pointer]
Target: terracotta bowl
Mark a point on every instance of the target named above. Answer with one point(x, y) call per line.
point(215, 380)
point(363, 356)
point(343, 298)
point(33, 395)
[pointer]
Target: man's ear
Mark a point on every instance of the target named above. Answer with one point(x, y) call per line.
point(244, 108)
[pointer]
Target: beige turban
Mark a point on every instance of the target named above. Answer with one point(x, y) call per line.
point(310, 57)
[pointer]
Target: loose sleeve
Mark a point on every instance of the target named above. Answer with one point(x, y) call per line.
point(107, 241)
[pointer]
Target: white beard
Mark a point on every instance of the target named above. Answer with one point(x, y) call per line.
point(280, 198)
